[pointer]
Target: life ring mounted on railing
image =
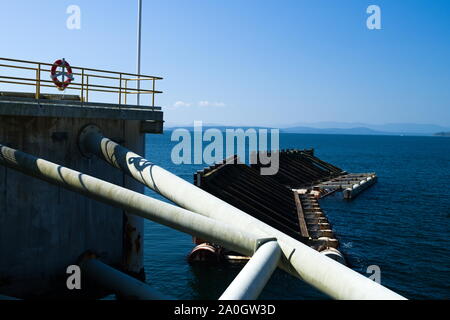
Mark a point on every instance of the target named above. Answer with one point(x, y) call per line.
point(66, 74)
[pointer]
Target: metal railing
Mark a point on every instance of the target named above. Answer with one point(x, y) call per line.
point(85, 86)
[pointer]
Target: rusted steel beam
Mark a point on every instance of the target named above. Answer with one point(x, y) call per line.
point(324, 163)
point(244, 204)
point(266, 205)
point(301, 217)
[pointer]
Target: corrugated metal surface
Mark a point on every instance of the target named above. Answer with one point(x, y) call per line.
point(260, 196)
point(270, 198)
point(300, 168)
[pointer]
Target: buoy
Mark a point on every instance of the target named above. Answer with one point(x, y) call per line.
point(204, 253)
point(66, 73)
point(347, 193)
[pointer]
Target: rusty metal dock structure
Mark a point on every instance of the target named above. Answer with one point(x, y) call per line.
point(288, 200)
point(63, 202)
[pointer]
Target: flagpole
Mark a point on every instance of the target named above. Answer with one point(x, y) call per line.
point(138, 66)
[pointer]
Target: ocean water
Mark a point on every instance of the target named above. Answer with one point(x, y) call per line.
point(401, 224)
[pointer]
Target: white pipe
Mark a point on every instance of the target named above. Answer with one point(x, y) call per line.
point(130, 201)
point(323, 273)
point(118, 282)
point(252, 279)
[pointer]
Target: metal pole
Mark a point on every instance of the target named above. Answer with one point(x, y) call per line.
point(120, 89)
point(82, 85)
point(323, 273)
point(126, 89)
point(153, 95)
point(130, 201)
point(139, 34)
point(87, 88)
point(38, 82)
point(118, 282)
point(252, 279)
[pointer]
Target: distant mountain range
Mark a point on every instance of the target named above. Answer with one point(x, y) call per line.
point(442, 134)
point(358, 130)
point(409, 129)
point(363, 128)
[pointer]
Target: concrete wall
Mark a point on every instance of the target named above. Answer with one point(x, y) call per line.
point(44, 228)
point(133, 253)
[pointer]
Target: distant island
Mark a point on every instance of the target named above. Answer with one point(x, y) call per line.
point(442, 134)
point(351, 131)
point(397, 129)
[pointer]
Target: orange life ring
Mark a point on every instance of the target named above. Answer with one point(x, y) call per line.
point(66, 72)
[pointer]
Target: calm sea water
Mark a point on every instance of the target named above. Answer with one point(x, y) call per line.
point(400, 224)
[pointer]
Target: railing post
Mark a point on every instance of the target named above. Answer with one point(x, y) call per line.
point(87, 88)
point(153, 94)
point(82, 85)
point(120, 90)
point(126, 89)
point(38, 81)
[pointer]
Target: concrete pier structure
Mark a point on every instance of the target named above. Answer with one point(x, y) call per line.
point(44, 228)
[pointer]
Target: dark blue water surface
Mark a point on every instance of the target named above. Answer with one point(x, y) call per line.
point(400, 224)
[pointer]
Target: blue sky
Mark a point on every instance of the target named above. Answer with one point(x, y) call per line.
point(248, 62)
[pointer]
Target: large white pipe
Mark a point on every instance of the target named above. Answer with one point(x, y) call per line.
point(133, 202)
point(252, 279)
point(323, 273)
point(118, 282)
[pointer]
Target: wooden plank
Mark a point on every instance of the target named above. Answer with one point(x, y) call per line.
point(301, 217)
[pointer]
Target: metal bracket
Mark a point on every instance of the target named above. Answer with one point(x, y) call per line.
point(87, 255)
point(85, 131)
point(261, 241)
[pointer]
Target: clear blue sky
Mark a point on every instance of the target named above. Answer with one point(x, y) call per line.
point(257, 62)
